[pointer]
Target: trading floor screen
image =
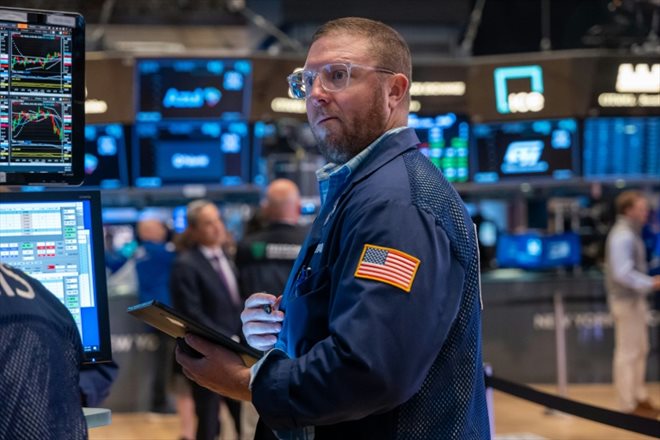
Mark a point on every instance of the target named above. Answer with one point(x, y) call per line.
point(35, 97)
point(52, 242)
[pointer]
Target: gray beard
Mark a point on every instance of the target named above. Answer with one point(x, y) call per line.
point(339, 154)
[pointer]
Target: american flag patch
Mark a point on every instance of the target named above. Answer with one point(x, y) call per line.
point(387, 265)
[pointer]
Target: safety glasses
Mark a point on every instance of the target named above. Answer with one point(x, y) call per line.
point(334, 77)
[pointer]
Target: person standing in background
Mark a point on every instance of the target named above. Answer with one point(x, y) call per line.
point(627, 284)
point(153, 264)
point(204, 287)
point(264, 258)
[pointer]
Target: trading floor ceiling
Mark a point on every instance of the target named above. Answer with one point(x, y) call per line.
point(431, 27)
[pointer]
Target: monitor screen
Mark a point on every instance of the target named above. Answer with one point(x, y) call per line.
point(193, 88)
point(56, 237)
point(444, 140)
point(533, 251)
point(618, 147)
point(105, 157)
point(42, 58)
point(525, 150)
point(191, 152)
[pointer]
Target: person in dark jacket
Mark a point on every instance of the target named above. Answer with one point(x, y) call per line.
point(204, 287)
point(40, 354)
point(264, 258)
point(378, 335)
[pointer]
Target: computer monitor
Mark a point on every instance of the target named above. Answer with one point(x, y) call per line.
point(191, 152)
point(445, 140)
point(621, 147)
point(56, 237)
point(193, 88)
point(105, 157)
point(42, 88)
point(535, 251)
point(545, 149)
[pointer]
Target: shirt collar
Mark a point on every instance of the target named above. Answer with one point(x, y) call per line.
point(330, 169)
point(630, 223)
point(210, 252)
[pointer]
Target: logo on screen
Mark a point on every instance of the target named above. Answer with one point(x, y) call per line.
point(209, 96)
point(180, 161)
point(524, 157)
point(519, 102)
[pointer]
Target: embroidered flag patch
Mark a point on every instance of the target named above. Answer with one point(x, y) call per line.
point(387, 265)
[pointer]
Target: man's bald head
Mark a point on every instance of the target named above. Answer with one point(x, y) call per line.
point(282, 203)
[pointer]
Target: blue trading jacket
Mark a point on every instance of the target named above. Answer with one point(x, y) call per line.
point(153, 266)
point(361, 358)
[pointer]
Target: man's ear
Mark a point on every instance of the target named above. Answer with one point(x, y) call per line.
point(399, 85)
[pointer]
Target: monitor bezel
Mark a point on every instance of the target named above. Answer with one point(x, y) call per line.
point(75, 177)
point(104, 354)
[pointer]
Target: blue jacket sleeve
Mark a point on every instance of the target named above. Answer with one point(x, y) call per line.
point(382, 340)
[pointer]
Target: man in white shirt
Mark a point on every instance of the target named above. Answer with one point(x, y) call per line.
point(627, 283)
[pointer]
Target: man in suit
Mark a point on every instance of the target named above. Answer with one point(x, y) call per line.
point(204, 287)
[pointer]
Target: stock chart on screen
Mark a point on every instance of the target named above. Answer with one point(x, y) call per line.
point(36, 97)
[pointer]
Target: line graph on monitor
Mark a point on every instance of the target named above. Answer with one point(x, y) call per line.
point(40, 62)
point(39, 131)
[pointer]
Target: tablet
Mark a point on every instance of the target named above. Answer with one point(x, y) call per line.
point(169, 321)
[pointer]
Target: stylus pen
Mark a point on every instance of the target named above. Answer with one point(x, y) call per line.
point(268, 308)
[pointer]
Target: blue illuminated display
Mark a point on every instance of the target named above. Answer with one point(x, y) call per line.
point(622, 147)
point(194, 88)
point(526, 150)
point(105, 157)
point(191, 152)
point(534, 251)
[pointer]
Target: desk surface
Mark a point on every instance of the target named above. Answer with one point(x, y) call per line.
point(97, 417)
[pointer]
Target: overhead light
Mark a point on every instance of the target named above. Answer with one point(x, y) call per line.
point(437, 88)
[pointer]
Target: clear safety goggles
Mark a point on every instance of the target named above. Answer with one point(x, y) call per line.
point(334, 77)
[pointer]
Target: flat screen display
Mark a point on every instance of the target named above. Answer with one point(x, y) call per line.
point(193, 88)
point(445, 140)
point(533, 251)
point(105, 157)
point(191, 152)
point(526, 150)
point(618, 147)
point(56, 237)
point(42, 58)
